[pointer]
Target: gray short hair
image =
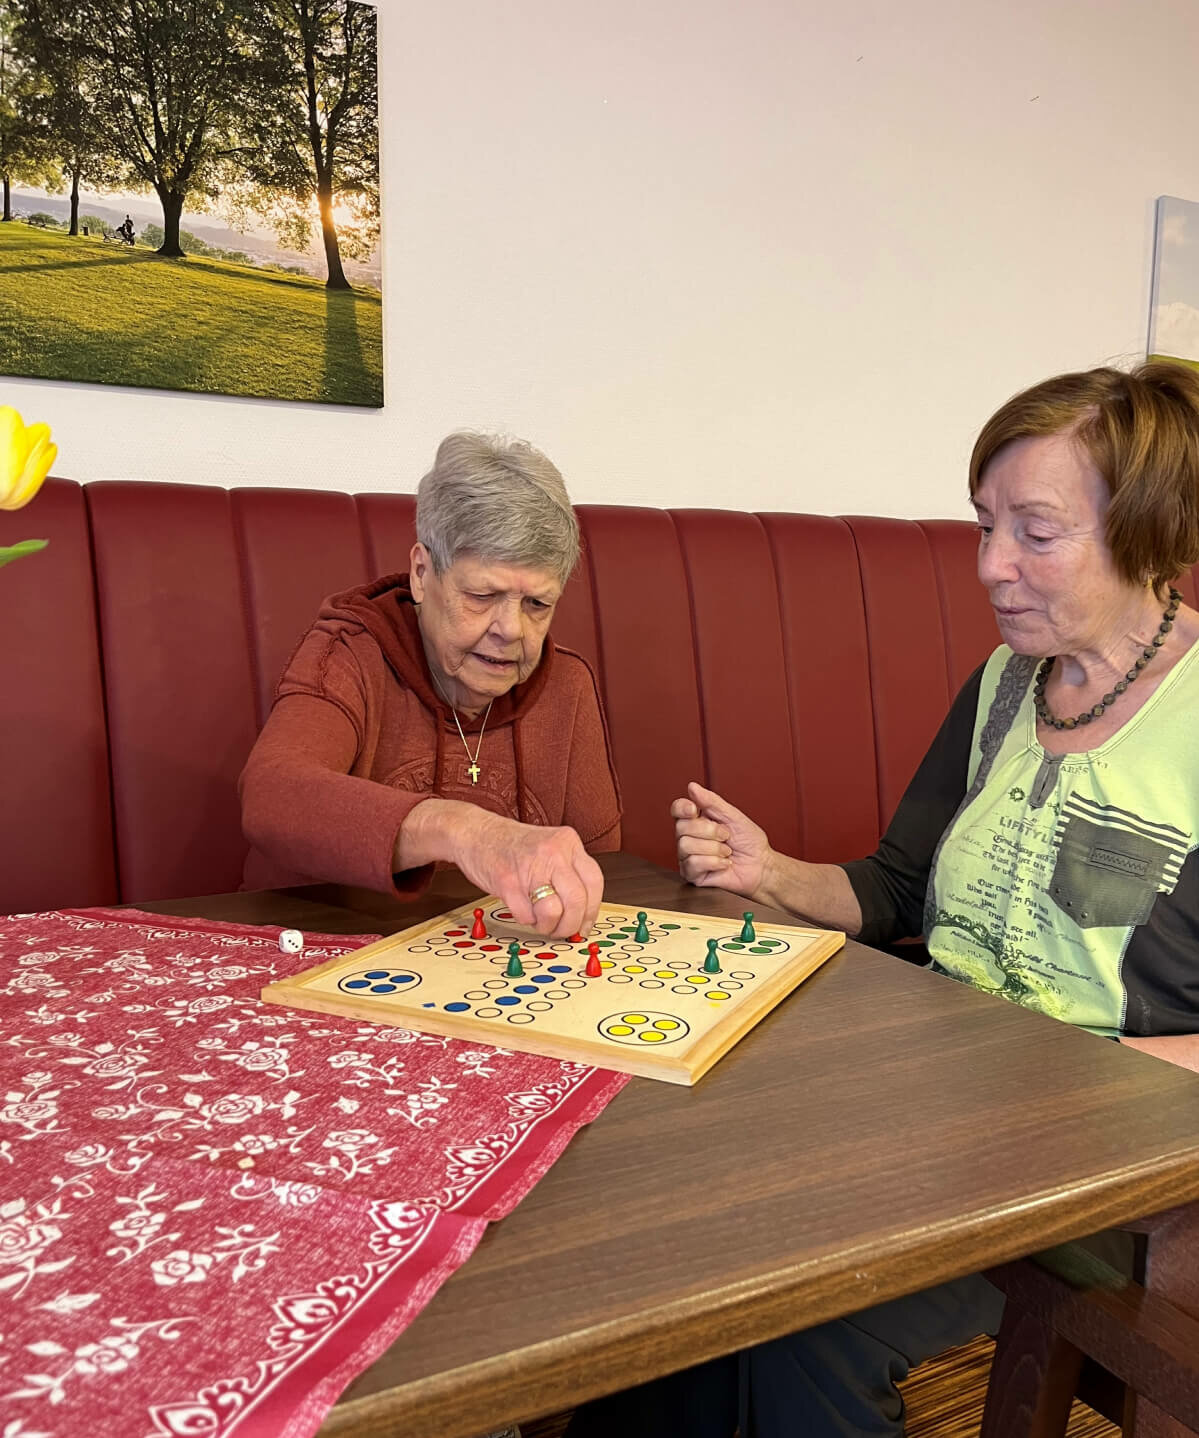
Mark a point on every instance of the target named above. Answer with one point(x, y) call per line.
point(498, 498)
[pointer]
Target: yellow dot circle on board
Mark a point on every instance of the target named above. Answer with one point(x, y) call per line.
point(665, 974)
point(620, 1031)
point(635, 1019)
point(651, 1036)
point(634, 968)
point(666, 1023)
point(715, 994)
point(606, 964)
point(697, 978)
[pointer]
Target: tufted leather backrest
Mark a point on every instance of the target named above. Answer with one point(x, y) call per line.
point(798, 663)
point(56, 832)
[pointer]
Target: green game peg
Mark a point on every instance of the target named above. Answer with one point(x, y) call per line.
point(712, 963)
point(748, 936)
point(642, 934)
point(515, 969)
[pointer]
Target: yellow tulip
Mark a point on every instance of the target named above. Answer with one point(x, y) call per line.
point(26, 454)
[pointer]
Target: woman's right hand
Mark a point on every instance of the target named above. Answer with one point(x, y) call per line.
point(511, 860)
point(719, 847)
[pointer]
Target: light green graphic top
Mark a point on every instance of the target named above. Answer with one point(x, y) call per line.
point(1053, 860)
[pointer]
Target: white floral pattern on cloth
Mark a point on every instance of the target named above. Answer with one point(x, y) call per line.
point(214, 1213)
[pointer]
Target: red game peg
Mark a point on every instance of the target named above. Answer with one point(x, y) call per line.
point(593, 970)
point(479, 930)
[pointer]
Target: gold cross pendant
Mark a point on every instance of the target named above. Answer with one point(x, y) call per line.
point(474, 771)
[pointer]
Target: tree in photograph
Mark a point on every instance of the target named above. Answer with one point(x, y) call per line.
point(164, 81)
point(308, 143)
point(82, 162)
point(21, 140)
point(70, 118)
point(151, 236)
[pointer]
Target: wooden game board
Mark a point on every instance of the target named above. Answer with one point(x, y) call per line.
point(654, 1011)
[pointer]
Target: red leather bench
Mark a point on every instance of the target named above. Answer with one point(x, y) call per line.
point(797, 663)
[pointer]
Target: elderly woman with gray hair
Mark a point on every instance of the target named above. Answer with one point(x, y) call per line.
point(429, 716)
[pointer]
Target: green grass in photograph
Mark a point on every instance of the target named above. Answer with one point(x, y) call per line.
point(1175, 359)
point(89, 309)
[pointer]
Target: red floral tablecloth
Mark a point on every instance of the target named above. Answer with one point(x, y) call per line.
point(214, 1212)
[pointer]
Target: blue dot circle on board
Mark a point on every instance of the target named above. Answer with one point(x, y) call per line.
point(525, 989)
point(402, 978)
point(507, 999)
point(383, 988)
point(376, 973)
point(453, 1008)
point(357, 983)
point(545, 978)
point(430, 1006)
point(559, 968)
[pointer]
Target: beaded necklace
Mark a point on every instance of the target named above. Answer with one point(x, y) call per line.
point(1155, 644)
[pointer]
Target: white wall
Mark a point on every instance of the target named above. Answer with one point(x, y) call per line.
point(753, 254)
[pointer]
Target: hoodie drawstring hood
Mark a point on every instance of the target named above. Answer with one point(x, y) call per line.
point(387, 611)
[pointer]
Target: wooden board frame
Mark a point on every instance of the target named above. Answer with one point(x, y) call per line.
point(685, 1065)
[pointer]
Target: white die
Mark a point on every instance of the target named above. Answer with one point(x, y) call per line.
point(291, 941)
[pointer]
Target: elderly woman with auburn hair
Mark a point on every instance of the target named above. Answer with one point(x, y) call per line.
point(1047, 848)
point(429, 716)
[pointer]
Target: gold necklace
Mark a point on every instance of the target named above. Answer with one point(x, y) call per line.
point(473, 767)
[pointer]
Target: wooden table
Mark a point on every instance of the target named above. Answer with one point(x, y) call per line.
point(883, 1130)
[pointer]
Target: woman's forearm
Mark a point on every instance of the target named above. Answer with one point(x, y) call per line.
point(820, 893)
point(434, 831)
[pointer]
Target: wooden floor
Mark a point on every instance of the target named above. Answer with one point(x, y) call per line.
point(944, 1399)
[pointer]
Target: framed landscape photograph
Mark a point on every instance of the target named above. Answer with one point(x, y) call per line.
point(191, 196)
point(1174, 308)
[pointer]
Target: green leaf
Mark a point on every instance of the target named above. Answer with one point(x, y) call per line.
point(9, 552)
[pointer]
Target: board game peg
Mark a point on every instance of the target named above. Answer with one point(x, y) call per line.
point(748, 935)
point(711, 963)
point(478, 928)
point(593, 969)
point(642, 934)
point(575, 939)
point(515, 969)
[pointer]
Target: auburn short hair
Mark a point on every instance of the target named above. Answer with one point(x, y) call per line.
point(1140, 429)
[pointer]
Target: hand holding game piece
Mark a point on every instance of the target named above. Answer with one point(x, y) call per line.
point(291, 941)
point(544, 876)
point(719, 847)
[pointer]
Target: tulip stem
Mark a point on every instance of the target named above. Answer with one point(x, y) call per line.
point(9, 552)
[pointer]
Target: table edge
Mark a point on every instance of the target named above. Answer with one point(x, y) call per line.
point(542, 1378)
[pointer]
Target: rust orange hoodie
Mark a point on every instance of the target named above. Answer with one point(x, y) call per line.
point(359, 736)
